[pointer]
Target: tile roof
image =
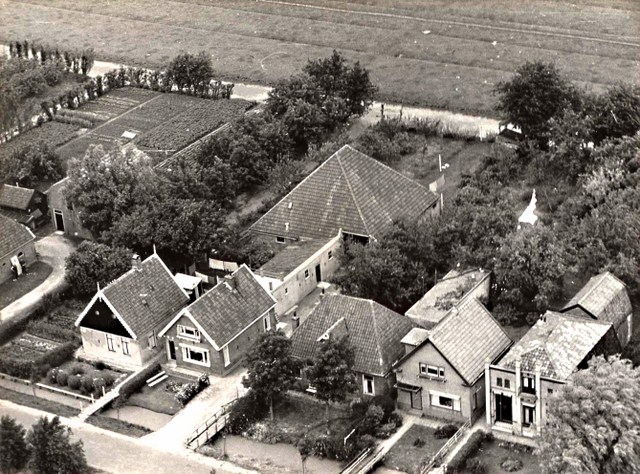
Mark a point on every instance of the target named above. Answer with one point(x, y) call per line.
point(437, 302)
point(349, 191)
point(556, 344)
point(374, 332)
point(467, 337)
point(604, 297)
point(231, 306)
point(146, 297)
point(15, 197)
point(290, 258)
point(12, 235)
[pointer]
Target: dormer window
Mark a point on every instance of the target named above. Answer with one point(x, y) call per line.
point(187, 332)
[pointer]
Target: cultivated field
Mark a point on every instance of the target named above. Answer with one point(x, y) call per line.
point(445, 54)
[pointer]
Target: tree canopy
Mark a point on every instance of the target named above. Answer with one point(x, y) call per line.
point(14, 452)
point(32, 163)
point(192, 72)
point(593, 423)
point(92, 263)
point(52, 450)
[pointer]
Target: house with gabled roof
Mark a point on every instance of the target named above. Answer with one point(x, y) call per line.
point(120, 325)
point(442, 372)
point(214, 333)
point(454, 288)
point(17, 248)
point(374, 334)
point(65, 216)
point(27, 206)
point(605, 298)
point(538, 365)
point(351, 192)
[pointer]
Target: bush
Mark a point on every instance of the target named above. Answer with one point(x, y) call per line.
point(136, 382)
point(51, 331)
point(372, 420)
point(108, 379)
point(87, 383)
point(77, 369)
point(446, 431)
point(510, 464)
point(419, 442)
point(74, 382)
point(16, 367)
point(396, 419)
point(52, 375)
point(385, 402)
point(246, 411)
point(186, 393)
point(99, 384)
point(62, 378)
point(57, 356)
point(386, 430)
point(99, 365)
point(466, 450)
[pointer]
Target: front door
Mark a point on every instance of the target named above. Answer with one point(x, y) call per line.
point(504, 411)
point(416, 400)
point(528, 415)
point(172, 350)
point(59, 220)
point(318, 274)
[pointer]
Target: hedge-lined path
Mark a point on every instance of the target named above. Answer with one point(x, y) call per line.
point(116, 453)
point(221, 391)
point(53, 250)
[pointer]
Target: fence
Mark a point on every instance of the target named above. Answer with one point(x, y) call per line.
point(444, 450)
point(359, 459)
point(34, 386)
point(211, 427)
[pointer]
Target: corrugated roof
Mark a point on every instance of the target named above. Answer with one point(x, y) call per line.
point(556, 344)
point(349, 191)
point(231, 306)
point(604, 297)
point(146, 297)
point(12, 235)
point(437, 302)
point(467, 337)
point(15, 197)
point(290, 258)
point(374, 332)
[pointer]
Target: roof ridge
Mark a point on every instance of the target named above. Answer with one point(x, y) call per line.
point(353, 197)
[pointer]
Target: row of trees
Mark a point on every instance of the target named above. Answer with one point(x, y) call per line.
point(46, 449)
point(79, 62)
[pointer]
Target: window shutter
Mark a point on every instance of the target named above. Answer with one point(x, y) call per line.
point(456, 405)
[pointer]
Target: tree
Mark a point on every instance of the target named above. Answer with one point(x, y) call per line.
point(617, 112)
point(632, 350)
point(305, 448)
point(271, 369)
point(593, 423)
point(331, 372)
point(53, 451)
point(92, 263)
point(32, 163)
point(190, 72)
point(14, 452)
point(536, 93)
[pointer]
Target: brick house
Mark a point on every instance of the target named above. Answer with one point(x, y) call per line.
point(520, 384)
point(442, 373)
point(374, 333)
point(214, 333)
point(17, 248)
point(605, 298)
point(454, 288)
point(120, 325)
point(64, 216)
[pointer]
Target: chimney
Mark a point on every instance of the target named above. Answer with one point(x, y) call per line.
point(136, 262)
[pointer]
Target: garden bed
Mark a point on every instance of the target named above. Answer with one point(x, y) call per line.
point(158, 398)
point(119, 426)
point(416, 447)
point(82, 378)
point(492, 453)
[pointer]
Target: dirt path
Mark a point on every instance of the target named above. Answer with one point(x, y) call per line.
point(53, 250)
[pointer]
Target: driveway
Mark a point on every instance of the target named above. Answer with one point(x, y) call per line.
point(221, 391)
point(53, 250)
point(116, 453)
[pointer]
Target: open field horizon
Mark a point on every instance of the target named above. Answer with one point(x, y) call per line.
point(424, 53)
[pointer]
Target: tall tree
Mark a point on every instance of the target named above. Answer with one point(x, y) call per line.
point(192, 72)
point(14, 452)
point(92, 263)
point(617, 112)
point(593, 424)
point(331, 372)
point(53, 451)
point(32, 163)
point(271, 369)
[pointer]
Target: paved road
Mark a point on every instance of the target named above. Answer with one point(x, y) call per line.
point(53, 249)
point(116, 453)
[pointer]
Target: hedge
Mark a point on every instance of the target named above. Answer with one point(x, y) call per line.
point(136, 382)
point(51, 331)
point(31, 369)
point(467, 450)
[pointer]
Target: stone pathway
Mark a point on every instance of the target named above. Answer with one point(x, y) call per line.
point(53, 250)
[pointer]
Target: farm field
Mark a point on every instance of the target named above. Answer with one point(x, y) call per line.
point(425, 52)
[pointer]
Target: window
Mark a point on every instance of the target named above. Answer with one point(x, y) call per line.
point(528, 415)
point(195, 355)
point(110, 343)
point(499, 381)
point(280, 240)
point(367, 385)
point(286, 291)
point(125, 347)
point(225, 356)
point(443, 400)
point(507, 383)
point(431, 371)
point(152, 340)
point(330, 254)
point(267, 323)
point(186, 332)
point(306, 274)
point(528, 384)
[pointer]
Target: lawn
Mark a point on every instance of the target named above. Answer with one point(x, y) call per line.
point(295, 417)
point(12, 290)
point(119, 426)
point(158, 398)
point(38, 403)
point(408, 454)
point(492, 453)
point(441, 54)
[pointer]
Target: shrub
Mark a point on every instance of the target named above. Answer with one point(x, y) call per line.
point(186, 393)
point(396, 419)
point(446, 431)
point(99, 365)
point(246, 411)
point(466, 450)
point(62, 377)
point(372, 420)
point(419, 442)
point(386, 430)
point(74, 382)
point(99, 384)
point(385, 402)
point(77, 369)
point(510, 464)
point(52, 375)
point(16, 367)
point(136, 382)
point(57, 356)
point(108, 379)
point(87, 383)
